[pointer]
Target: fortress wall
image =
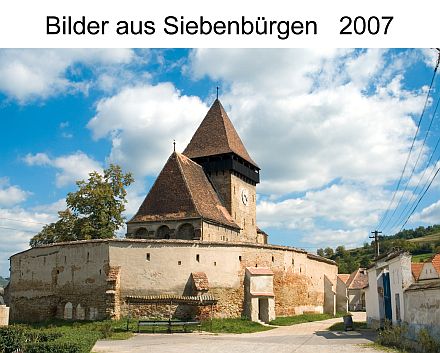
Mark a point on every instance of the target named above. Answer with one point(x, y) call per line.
point(44, 279)
point(298, 280)
point(97, 275)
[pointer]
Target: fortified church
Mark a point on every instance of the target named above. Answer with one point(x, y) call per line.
point(194, 236)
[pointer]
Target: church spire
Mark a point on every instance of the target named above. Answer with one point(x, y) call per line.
point(215, 136)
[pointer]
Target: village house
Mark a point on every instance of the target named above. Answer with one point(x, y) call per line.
point(403, 292)
point(194, 236)
point(350, 289)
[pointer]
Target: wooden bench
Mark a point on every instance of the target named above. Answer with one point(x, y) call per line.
point(169, 324)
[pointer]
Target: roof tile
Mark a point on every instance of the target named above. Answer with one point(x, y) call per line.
point(216, 135)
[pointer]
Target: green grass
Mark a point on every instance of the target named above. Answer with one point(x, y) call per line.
point(339, 326)
point(422, 257)
point(431, 238)
point(85, 333)
point(379, 347)
point(238, 325)
point(300, 319)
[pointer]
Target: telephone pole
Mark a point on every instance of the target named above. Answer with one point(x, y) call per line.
point(376, 241)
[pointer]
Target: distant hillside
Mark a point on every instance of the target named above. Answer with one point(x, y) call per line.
point(421, 242)
point(3, 281)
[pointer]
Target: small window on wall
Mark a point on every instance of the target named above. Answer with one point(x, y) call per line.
point(198, 258)
point(273, 259)
point(147, 256)
point(239, 258)
point(179, 262)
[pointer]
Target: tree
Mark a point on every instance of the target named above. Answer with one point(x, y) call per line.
point(94, 211)
point(320, 252)
point(328, 251)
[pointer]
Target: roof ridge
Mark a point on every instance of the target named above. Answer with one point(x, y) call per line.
point(186, 181)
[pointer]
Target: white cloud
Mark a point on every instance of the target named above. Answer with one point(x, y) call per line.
point(73, 167)
point(31, 74)
point(311, 108)
point(18, 226)
point(429, 215)
point(11, 194)
point(142, 122)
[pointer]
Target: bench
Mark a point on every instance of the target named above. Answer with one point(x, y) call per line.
point(169, 324)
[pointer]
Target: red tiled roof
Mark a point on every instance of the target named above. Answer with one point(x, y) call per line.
point(358, 279)
point(259, 271)
point(436, 263)
point(200, 281)
point(181, 191)
point(344, 277)
point(416, 269)
point(216, 135)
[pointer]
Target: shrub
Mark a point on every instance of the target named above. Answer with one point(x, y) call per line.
point(105, 329)
point(52, 347)
point(429, 344)
point(393, 336)
point(11, 338)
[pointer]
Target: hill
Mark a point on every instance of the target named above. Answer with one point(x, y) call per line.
point(421, 242)
point(3, 281)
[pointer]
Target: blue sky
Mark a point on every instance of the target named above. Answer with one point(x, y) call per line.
point(330, 128)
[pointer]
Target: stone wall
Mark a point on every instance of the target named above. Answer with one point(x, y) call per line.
point(45, 279)
point(90, 279)
point(154, 267)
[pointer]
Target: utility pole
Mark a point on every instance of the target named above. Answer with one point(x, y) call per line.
point(376, 241)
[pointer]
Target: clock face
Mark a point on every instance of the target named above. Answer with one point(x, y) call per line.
point(244, 197)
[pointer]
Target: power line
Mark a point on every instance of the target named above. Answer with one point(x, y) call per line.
point(420, 199)
point(414, 196)
point(20, 230)
point(413, 169)
point(412, 145)
point(22, 221)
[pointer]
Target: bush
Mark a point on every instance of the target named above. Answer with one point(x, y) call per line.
point(52, 347)
point(11, 338)
point(429, 344)
point(393, 336)
point(105, 329)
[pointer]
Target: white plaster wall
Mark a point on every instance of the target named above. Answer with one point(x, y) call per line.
point(399, 281)
point(371, 297)
point(422, 310)
point(428, 272)
point(261, 283)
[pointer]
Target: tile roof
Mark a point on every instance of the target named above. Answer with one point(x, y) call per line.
point(436, 263)
point(259, 271)
point(416, 269)
point(344, 277)
point(216, 135)
point(181, 191)
point(200, 280)
point(358, 279)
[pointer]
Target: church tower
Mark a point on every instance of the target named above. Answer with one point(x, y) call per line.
point(217, 147)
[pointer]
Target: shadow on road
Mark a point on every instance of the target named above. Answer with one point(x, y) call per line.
point(343, 335)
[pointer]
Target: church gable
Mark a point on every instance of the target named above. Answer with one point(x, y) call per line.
point(169, 197)
point(181, 191)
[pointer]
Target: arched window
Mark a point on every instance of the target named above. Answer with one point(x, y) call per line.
point(141, 233)
point(163, 232)
point(186, 231)
point(68, 311)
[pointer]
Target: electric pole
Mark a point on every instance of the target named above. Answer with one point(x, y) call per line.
point(376, 241)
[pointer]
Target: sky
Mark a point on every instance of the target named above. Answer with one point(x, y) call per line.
point(331, 130)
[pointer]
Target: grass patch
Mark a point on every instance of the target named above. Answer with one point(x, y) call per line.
point(82, 334)
point(357, 325)
point(422, 257)
point(237, 325)
point(379, 347)
point(300, 319)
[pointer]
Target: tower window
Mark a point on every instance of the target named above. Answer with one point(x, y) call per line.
point(273, 259)
point(239, 258)
point(147, 256)
point(179, 262)
point(215, 263)
point(198, 258)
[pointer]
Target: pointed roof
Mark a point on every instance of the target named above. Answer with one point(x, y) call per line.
point(416, 269)
point(358, 279)
point(216, 135)
point(344, 277)
point(182, 190)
